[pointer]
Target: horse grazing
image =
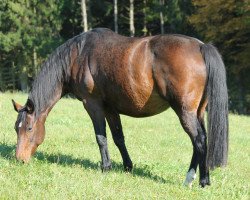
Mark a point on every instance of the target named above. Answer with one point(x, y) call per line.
point(139, 77)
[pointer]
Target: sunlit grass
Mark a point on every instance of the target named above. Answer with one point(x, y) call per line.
point(67, 164)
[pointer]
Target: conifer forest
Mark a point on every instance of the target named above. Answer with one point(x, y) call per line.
point(31, 29)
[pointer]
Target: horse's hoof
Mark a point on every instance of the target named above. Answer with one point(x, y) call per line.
point(106, 168)
point(191, 175)
point(128, 168)
point(204, 182)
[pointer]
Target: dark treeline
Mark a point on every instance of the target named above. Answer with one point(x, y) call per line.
point(31, 29)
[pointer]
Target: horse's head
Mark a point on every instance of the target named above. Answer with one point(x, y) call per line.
point(30, 130)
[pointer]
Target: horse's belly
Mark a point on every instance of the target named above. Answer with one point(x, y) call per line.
point(155, 104)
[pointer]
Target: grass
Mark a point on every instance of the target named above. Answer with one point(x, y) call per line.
point(67, 164)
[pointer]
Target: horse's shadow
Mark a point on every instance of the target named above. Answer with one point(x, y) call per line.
point(7, 152)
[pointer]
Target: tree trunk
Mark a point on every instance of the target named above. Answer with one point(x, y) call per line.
point(162, 16)
point(131, 17)
point(89, 14)
point(145, 30)
point(35, 62)
point(84, 15)
point(116, 16)
point(34, 54)
point(13, 75)
point(241, 92)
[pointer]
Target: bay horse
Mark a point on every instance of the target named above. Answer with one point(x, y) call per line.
point(139, 77)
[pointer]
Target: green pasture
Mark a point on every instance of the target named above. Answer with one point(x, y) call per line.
point(67, 164)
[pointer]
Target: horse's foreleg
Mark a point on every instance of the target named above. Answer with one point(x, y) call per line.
point(197, 134)
point(96, 113)
point(115, 125)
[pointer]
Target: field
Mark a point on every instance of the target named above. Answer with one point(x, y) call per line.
point(67, 164)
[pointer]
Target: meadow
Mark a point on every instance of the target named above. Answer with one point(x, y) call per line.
point(67, 164)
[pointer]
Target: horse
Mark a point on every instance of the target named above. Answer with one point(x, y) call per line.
point(139, 77)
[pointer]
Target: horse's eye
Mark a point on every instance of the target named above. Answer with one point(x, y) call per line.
point(29, 128)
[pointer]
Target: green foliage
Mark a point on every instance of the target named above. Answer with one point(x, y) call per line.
point(31, 29)
point(70, 15)
point(10, 25)
point(67, 164)
point(28, 27)
point(227, 24)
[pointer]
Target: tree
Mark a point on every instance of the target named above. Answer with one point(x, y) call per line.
point(131, 18)
point(115, 16)
point(84, 15)
point(226, 23)
point(71, 16)
point(144, 30)
point(29, 31)
point(162, 17)
point(10, 39)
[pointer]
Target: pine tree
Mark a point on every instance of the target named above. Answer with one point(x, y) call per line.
point(29, 31)
point(227, 24)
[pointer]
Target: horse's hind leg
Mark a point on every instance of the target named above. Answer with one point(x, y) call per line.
point(115, 125)
point(96, 112)
point(192, 125)
point(204, 165)
point(191, 175)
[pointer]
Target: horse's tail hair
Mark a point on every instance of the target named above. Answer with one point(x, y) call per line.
point(216, 92)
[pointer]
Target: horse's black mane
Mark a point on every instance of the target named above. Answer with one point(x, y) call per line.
point(54, 72)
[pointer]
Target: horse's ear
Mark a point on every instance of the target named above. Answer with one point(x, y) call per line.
point(17, 106)
point(30, 106)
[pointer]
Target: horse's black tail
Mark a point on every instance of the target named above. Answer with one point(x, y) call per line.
point(217, 154)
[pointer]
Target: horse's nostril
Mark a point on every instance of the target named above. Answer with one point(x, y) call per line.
point(22, 160)
point(19, 159)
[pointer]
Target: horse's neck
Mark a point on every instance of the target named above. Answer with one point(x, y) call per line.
point(43, 115)
point(42, 105)
point(53, 101)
